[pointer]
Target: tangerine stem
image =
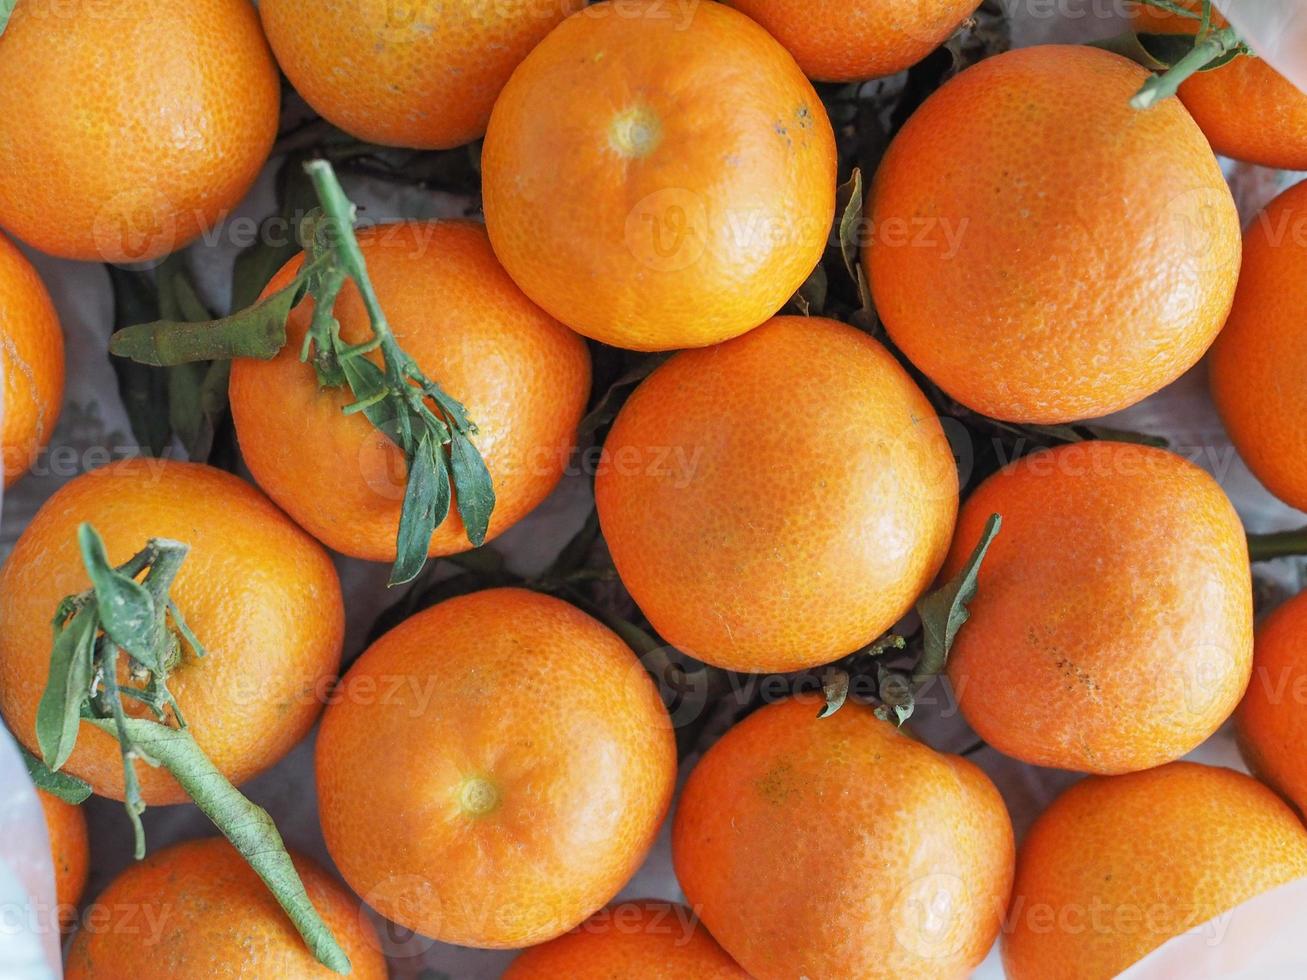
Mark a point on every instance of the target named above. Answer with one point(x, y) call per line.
point(1163, 86)
point(1278, 544)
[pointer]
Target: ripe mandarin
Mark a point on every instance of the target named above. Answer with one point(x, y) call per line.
point(1261, 353)
point(128, 129)
point(31, 364)
point(1112, 627)
point(842, 847)
point(659, 179)
point(523, 377)
point(779, 500)
point(1246, 108)
point(196, 911)
point(1272, 718)
point(529, 764)
point(632, 941)
point(422, 75)
point(843, 41)
point(1120, 864)
point(258, 593)
point(1041, 250)
point(65, 825)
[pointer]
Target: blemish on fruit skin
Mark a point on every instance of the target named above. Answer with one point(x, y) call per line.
point(774, 785)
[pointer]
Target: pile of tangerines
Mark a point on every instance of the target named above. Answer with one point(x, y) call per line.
point(775, 497)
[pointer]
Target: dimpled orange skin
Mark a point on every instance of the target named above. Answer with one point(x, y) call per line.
point(1113, 621)
point(1262, 351)
point(842, 41)
point(258, 593)
point(530, 763)
point(1120, 864)
point(66, 826)
point(1248, 110)
point(128, 129)
point(923, 851)
point(31, 364)
point(1044, 252)
point(523, 377)
point(197, 911)
point(777, 501)
point(633, 941)
point(659, 178)
point(1272, 718)
point(421, 75)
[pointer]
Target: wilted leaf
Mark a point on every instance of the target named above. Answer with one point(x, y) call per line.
point(944, 611)
point(258, 331)
point(835, 689)
point(126, 609)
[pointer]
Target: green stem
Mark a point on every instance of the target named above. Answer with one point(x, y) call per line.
point(248, 826)
point(1213, 46)
point(1170, 6)
point(1279, 544)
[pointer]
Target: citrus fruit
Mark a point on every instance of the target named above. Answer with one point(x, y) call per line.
point(632, 941)
point(257, 592)
point(1246, 108)
point(128, 129)
point(777, 501)
point(842, 847)
point(527, 764)
point(659, 178)
point(523, 377)
point(839, 41)
point(31, 364)
point(420, 74)
point(65, 825)
point(196, 910)
point(1259, 356)
point(1120, 864)
point(1041, 250)
point(1272, 718)
point(1112, 626)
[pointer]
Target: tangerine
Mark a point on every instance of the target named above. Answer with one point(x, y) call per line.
point(659, 180)
point(1041, 250)
point(1112, 625)
point(528, 765)
point(31, 364)
point(777, 501)
point(65, 825)
point(421, 75)
point(842, 847)
point(128, 129)
point(257, 592)
point(196, 910)
point(1120, 864)
point(523, 377)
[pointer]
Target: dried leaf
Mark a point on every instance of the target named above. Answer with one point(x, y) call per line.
point(944, 611)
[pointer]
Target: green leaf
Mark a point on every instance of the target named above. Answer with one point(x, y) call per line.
point(6, 11)
point(248, 826)
point(1162, 51)
point(127, 610)
point(258, 331)
point(279, 235)
point(835, 689)
point(426, 504)
point(68, 788)
point(944, 611)
point(58, 715)
point(473, 489)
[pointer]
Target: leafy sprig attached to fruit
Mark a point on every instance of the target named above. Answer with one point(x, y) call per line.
point(1178, 56)
point(116, 644)
point(943, 613)
point(431, 428)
